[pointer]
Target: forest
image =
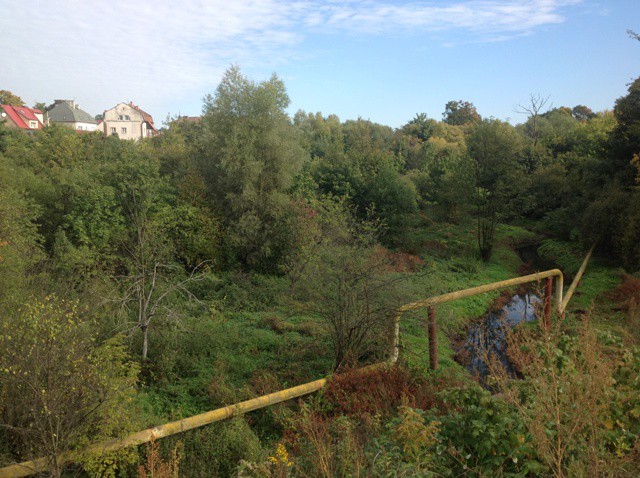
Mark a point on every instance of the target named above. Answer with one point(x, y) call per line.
point(250, 251)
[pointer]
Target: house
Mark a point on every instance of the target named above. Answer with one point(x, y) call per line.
point(128, 121)
point(21, 117)
point(69, 114)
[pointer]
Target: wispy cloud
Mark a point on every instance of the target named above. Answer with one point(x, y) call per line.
point(157, 51)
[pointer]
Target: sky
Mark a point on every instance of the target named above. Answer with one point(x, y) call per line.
point(384, 60)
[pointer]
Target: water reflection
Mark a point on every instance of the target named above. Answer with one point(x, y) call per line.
point(486, 339)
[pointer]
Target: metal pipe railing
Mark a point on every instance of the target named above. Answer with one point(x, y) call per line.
point(576, 280)
point(28, 468)
point(431, 302)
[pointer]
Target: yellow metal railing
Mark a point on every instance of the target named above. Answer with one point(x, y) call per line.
point(39, 465)
point(431, 303)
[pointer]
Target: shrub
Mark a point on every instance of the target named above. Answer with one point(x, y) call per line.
point(484, 435)
point(378, 391)
point(218, 449)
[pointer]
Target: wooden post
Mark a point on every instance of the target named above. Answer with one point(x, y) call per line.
point(433, 338)
point(548, 293)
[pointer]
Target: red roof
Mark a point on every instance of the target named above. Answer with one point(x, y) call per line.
point(19, 114)
point(146, 116)
point(14, 116)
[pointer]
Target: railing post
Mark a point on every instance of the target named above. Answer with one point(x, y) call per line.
point(395, 346)
point(548, 292)
point(433, 338)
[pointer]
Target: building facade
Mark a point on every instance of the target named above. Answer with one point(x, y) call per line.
point(128, 121)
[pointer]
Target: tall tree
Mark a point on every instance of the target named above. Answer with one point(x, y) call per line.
point(250, 154)
point(494, 146)
point(534, 110)
point(626, 135)
point(460, 113)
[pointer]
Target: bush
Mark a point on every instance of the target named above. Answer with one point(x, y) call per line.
point(378, 391)
point(217, 450)
point(484, 435)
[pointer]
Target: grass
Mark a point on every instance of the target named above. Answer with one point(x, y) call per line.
point(253, 342)
point(448, 272)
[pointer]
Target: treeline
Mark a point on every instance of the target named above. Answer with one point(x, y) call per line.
point(233, 188)
point(105, 244)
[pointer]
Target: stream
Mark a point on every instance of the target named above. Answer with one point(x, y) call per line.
point(486, 338)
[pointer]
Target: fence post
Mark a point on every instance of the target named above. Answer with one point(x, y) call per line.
point(548, 293)
point(395, 346)
point(433, 338)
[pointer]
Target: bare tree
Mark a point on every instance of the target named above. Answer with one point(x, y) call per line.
point(148, 291)
point(345, 280)
point(152, 283)
point(534, 110)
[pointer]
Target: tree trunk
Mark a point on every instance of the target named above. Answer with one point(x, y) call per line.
point(145, 341)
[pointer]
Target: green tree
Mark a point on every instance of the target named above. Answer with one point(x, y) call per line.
point(582, 113)
point(250, 155)
point(626, 136)
point(343, 278)
point(8, 98)
point(61, 390)
point(494, 146)
point(460, 113)
point(20, 243)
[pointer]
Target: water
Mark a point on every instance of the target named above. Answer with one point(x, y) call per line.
point(487, 337)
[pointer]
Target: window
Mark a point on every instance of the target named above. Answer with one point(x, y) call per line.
point(123, 130)
point(127, 118)
point(112, 130)
point(33, 124)
point(119, 117)
point(79, 128)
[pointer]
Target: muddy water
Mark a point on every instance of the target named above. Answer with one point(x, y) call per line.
point(486, 338)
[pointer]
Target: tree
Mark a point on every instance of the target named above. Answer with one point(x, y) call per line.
point(152, 281)
point(534, 110)
point(40, 105)
point(344, 279)
point(625, 138)
point(582, 113)
point(494, 147)
point(421, 126)
point(460, 113)
point(250, 155)
point(60, 389)
point(20, 243)
point(8, 98)
point(322, 137)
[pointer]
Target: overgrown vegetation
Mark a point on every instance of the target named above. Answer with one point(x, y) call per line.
point(250, 251)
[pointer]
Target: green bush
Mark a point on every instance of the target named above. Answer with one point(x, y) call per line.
point(216, 450)
point(483, 435)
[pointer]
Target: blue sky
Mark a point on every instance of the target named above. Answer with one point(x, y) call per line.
point(379, 60)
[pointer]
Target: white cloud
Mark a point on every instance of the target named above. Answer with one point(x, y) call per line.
point(157, 53)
